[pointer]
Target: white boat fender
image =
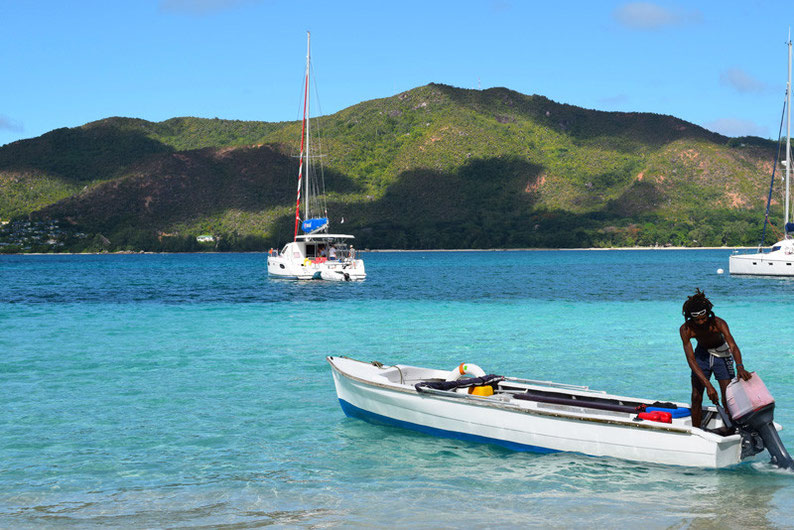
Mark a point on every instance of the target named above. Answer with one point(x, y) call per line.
point(465, 369)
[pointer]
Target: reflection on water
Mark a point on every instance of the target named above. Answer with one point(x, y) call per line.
point(559, 490)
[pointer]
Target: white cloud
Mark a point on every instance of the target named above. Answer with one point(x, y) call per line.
point(647, 15)
point(736, 127)
point(741, 81)
point(7, 124)
point(200, 7)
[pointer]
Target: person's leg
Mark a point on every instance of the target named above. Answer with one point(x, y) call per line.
point(724, 385)
point(697, 401)
point(703, 362)
point(723, 373)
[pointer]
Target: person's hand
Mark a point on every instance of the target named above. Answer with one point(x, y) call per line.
point(713, 396)
point(744, 374)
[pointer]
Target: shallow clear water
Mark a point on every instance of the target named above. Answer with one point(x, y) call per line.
point(189, 390)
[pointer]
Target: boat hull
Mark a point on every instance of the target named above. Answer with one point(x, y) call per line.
point(353, 411)
point(350, 270)
point(518, 426)
point(777, 263)
point(302, 259)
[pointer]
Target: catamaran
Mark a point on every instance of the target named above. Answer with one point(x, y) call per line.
point(316, 254)
point(779, 260)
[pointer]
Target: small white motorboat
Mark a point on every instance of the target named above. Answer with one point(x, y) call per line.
point(538, 416)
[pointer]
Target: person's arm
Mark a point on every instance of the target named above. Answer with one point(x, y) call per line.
point(737, 355)
point(686, 338)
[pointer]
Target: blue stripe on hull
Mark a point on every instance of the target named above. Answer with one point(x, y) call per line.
point(355, 412)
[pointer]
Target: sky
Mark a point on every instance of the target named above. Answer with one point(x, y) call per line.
point(719, 64)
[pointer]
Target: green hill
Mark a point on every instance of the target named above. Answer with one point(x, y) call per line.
point(434, 167)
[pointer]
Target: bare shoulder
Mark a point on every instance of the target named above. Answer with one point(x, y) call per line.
point(685, 331)
point(721, 324)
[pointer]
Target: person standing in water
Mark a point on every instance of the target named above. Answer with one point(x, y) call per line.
point(715, 352)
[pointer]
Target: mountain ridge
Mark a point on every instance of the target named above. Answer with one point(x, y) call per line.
point(432, 167)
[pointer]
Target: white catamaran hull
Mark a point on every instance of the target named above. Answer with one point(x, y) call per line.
point(779, 262)
point(377, 394)
point(279, 267)
point(301, 260)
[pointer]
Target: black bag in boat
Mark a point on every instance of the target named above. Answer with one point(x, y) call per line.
point(663, 405)
point(490, 379)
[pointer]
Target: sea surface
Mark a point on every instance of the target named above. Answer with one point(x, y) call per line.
point(190, 390)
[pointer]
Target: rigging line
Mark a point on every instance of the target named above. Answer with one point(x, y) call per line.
point(299, 106)
point(774, 168)
point(318, 136)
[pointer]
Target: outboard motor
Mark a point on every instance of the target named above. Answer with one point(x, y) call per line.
point(752, 408)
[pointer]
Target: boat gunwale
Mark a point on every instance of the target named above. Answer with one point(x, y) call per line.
point(482, 401)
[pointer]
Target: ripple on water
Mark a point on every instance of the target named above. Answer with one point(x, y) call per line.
point(189, 390)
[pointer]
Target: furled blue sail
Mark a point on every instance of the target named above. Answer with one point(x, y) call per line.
point(313, 225)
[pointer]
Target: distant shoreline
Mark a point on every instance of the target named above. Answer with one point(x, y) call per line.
point(133, 253)
point(551, 248)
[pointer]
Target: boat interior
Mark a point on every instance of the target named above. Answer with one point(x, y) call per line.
point(323, 250)
point(554, 397)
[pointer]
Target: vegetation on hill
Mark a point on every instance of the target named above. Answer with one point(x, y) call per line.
point(434, 167)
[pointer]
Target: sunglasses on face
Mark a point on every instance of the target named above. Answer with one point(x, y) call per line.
point(698, 314)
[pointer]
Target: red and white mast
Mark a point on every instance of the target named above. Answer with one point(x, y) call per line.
point(788, 139)
point(304, 137)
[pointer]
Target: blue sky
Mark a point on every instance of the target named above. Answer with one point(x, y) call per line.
point(719, 64)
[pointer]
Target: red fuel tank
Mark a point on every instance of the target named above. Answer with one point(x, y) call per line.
point(662, 417)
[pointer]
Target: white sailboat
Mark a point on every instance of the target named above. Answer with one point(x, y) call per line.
point(315, 254)
point(779, 260)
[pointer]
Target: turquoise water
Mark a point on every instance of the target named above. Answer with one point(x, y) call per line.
point(190, 390)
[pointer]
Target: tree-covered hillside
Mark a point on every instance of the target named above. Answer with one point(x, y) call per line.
point(434, 167)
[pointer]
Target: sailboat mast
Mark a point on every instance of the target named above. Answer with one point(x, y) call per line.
point(303, 138)
point(307, 118)
point(788, 135)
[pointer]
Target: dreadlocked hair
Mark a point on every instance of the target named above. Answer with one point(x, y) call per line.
point(697, 302)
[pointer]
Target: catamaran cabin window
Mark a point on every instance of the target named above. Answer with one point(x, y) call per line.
point(775, 248)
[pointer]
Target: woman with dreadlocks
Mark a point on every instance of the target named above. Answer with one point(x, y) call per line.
point(715, 345)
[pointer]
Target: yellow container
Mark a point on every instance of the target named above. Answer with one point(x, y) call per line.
point(486, 390)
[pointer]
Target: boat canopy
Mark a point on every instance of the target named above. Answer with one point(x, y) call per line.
point(313, 225)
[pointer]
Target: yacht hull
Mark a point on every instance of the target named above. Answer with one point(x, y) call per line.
point(775, 263)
